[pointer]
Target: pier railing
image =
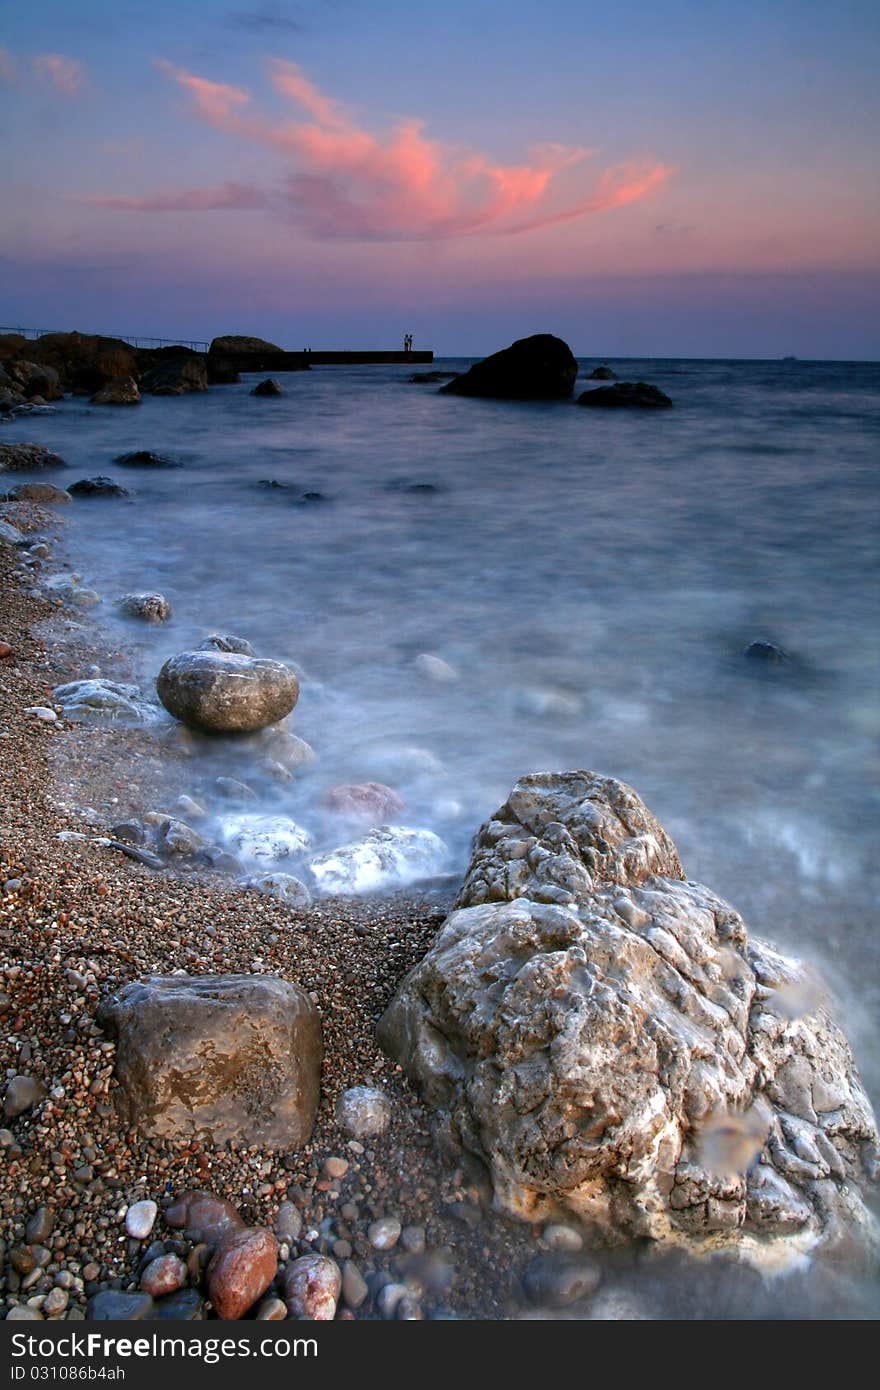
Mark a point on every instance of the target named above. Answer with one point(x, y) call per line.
point(135, 340)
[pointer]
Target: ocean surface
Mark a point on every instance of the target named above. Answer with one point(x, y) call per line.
point(592, 578)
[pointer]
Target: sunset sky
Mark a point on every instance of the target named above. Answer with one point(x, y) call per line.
point(693, 178)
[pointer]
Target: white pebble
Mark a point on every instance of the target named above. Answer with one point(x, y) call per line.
point(140, 1219)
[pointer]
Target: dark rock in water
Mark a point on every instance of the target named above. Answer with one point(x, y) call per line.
point(24, 458)
point(427, 378)
point(269, 387)
point(627, 395)
point(145, 458)
point(579, 956)
point(540, 368)
point(232, 790)
point(176, 376)
point(558, 1281)
point(111, 1305)
point(767, 652)
point(186, 1305)
point(226, 692)
point(603, 373)
point(45, 493)
point(225, 642)
point(234, 344)
point(273, 485)
point(124, 391)
point(245, 1064)
point(222, 373)
point(98, 487)
point(152, 608)
point(309, 497)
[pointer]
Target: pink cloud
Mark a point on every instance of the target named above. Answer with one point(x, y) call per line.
point(344, 181)
point(66, 74)
point(227, 195)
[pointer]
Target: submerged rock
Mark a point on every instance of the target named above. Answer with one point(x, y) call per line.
point(539, 368)
point(26, 458)
point(269, 839)
point(363, 1112)
point(372, 802)
point(145, 458)
point(627, 395)
point(203, 1217)
point(391, 854)
point(231, 1057)
point(152, 608)
point(603, 373)
point(605, 1034)
point(767, 652)
point(226, 692)
point(124, 391)
point(97, 487)
point(269, 387)
point(104, 699)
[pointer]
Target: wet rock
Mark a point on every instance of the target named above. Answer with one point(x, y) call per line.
point(111, 1305)
point(626, 395)
point(603, 373)
point(39, 1226)
point(226, 692)
point(139, 854)
point(123, 391)
point(164, 1275)
point(428, 378)
point(600, 1030)
point(269, 387)
point(354, 1286)
point(11, 534)
point(145, 458)
point(245, 1064)
point(372, 802)
point(27, 458)
point(311, 1288)
point(384, 1233)
point(176, 837)
point(767, 652)
point(412, 1238)
point(288, 1223)
point(22, 1094)
point(56, 1303)
point(225, 642)
point(140, 1219)
point(176, 376)
point(193, 810)
point(558, 1281)
point(559, 1237)
point(45, 493)
point(266, 839)
point(541, 367)
point(272, 1310)
point(363, 1111)
point(241, 1270)
point(68, 589)
point(289, 890)
point(233, 790)
point(390, 854)
point(97, 487)
point(84, 361)
point(203, 1216)
point(36, 380)
point(286, 749)
point(104, 699)
point(186, 1305)
point(20, 1312)
point(152, 608)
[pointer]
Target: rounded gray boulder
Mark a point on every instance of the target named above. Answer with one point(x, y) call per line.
point(226, 692)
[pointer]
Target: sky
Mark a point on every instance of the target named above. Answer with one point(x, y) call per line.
point(692, 178)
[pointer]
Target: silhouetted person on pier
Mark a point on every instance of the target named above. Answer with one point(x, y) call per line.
point(407, 342)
